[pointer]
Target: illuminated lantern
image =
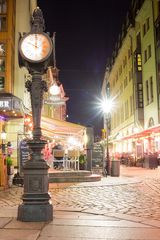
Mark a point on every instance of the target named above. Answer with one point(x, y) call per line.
point(54, 90)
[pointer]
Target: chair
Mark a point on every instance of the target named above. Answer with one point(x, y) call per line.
point(58, 158)
point(73, 158)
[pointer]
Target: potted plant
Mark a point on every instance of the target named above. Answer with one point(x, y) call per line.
point(10, 167)
point(82, 162)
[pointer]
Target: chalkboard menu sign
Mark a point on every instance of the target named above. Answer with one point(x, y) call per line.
point(97, 156)
point(24, 153)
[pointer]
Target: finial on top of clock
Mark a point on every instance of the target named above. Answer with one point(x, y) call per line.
point(38, 24)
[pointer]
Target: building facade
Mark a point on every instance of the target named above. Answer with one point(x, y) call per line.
point(15, 17)
point(133, 79)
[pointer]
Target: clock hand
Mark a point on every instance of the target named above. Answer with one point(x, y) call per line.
point(32, 44)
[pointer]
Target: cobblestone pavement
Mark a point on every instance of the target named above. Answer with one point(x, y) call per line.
point(135, 193)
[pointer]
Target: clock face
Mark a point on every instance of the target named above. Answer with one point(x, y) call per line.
point(35, 47)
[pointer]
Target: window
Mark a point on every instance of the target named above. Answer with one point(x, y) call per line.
point(122, 114)
point(140, 95)
point(116, 77)
point(149, 51)
point(147, 24)
point(3, 17)
point(151, 89)
point(145, 56)
point(130, 75)
point(3, 6)
point(120, 70)
point(129, 53)
point(131, 105)
point(144, 29)
point(124, 62)
point(139, 62)
point(125, 82)
point(126, 110)
point(121, 88)
point(2, 65)
point(2, 49)
point(1, 82)
point(114, 82)
point(3, 25)
point(147, 92)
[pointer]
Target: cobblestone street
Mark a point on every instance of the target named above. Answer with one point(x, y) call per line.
point(135, 193)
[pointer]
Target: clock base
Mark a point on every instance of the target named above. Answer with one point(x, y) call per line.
point(35, 213)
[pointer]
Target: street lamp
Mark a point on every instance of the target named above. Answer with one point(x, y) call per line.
point(107, 105)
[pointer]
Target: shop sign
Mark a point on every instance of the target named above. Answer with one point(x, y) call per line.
point(9, 104)
point(5, 104)
point(56, 100)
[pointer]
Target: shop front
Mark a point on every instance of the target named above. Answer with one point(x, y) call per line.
point(11, 120)
point(139, 149)
point(66, 142)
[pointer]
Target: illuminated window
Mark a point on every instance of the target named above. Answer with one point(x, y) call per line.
point(2, 65)
point(2, 49)
point(139, 62)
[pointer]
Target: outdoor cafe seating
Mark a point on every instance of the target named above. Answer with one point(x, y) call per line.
point(62, 160)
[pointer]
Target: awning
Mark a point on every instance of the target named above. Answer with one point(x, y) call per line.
point(10, 106)
point(144, 133)
point(52, 127)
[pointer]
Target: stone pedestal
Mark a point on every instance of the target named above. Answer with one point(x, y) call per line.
point(36, 206)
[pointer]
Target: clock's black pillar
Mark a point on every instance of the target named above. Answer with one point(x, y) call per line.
point(36, 206)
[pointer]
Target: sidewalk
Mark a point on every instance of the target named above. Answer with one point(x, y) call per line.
point(75, 224)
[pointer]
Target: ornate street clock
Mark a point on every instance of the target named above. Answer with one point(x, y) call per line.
point(35, 53)
point(35, 47)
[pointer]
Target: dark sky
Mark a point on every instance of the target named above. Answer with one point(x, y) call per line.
point(86, 33)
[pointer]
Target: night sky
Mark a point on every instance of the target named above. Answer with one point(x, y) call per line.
point(86, 33)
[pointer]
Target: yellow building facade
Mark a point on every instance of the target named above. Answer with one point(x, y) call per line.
point(132, 77)
point(14, 100)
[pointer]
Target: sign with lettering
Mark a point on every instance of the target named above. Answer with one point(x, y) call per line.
point(23, 154)
point(5, 104)
point(97, 156)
